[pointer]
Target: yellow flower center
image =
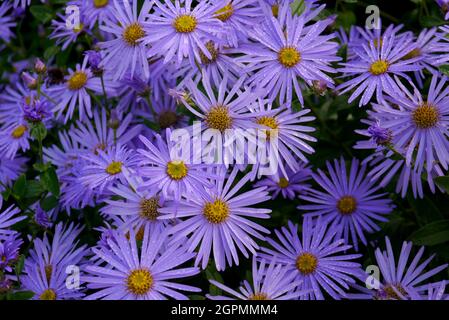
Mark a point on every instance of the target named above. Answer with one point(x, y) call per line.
point(167, 119)
point(216, 212)
point(390, 294)
point(133, 33)
point(114, 167)
point(379, 67)
point(185, 23)
point(139, 282)
point(149, 208)
point(213, 52)
point(283, 183)
point(275, 10)
point(413, 54)
point(100, 3)
point(289, 57)
point(177, 170)
point(425, 116)
point(218, 118)
point(48, 294)
point(79, 28)
point(269, 122)
point(225, 13)
point(347, 205)
point(306, 263)
point(77, 80)
point(19, 131)
point(258, 296)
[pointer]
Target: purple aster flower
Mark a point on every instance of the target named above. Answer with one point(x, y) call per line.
point(9, 251)
point(103, 169)
point(349, 201)
point(218, 220)
point(6, 22)
point(290, 185)
point(419, 124)
point(175, 175)
point(95, 11)
point(45, 270)
point(8, 218)
point(224, 109)
point(36, 110)
point(137, 207)
point(237, 16)
point(375, 64)
point(435, 291)
point(178, 30)
point(65, 34)
point(316, 260)
point(126, 53)
point(291, 133)
point(399, 282)
point(220, 64)
point(98, 135)
point(271, 281)
point(140, 273)
point(379, 135)
point(74, 92)
point(288, 49)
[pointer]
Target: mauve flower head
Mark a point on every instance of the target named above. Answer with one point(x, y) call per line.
point(380, 136)
point(94, 59)
point(9, 251)
point(36, 110)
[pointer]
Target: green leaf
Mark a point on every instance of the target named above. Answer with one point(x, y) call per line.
point(21, 295)
point(41, 167)
point(50, 181)
point(41, 13)
point(19, 187)
point(49, 203)
point(442, 182)
point(432, 234)
point(34, 189)
point(444, 69)
point(297, 7)
point(350, 1)
point(50, 52)
point(346, 19)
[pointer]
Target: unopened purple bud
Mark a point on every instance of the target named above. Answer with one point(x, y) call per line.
point(380, 135)
point(29, 81)
point(94, 59)
point(35, 110)
point(39, 66)
point(320, 87)
point(114, 121)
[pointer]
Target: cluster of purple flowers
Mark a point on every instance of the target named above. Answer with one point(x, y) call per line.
point(231, 65)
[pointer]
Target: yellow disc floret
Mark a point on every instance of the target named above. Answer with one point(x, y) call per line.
point(139, 281)
point(306, 263)
point(425, 116)
point(176, 170)
point(347, 205)
point(185, 23)
point(289, 57)
point(379, 67)
point(77, 80)
point(219, 118)
point(114, 167)
point(216, 212)
point(133, 33)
